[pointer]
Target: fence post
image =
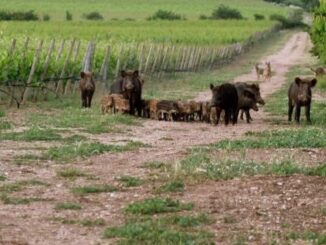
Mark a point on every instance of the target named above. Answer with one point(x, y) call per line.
point(60, 82)
point(31, 74)
point(104, 68)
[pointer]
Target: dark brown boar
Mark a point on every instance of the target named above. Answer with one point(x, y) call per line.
point(248, 97)
point(87, 88)
point(130, 84)
point(299, 95)
point(225, 98)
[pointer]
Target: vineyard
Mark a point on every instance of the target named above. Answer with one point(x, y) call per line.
point(55, 65)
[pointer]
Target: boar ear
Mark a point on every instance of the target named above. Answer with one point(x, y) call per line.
point(248, 93)
point(313, 82)
point(82, 74)
point(123, 73)
point(136, 73)
point(297, 80)
point(211, 86)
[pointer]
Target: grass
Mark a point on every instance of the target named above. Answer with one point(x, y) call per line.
point(157, 205)
point(284, 138)
point(26, 159)
point(4, 124)
point(20, 185)
point(68, 206)
point(93, 189)
point(72, 151)
point(165, 230)
point(198, 166)
point(83, 222)
point(316, 238)
point(32, 134)
point(71, 173)
point(154, 165)
point(130, 181)
point(2, 178)
point(18, 200)
point(89, 121)
point(142, 9)
point(173, 186)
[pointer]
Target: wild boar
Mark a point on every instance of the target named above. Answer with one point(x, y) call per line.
point(225, 97)
point(299, 94)
point(87, 88)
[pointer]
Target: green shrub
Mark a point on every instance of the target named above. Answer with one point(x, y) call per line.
point(225, 12)
point(18, 15)
point(46, 17)
point(318, 32)
point(93, 16)
point(259, 17)
point(165, 15)
point(68, 16)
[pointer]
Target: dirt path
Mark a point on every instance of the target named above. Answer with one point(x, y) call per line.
point(29, 224)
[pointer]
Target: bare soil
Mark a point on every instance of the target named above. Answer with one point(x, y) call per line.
point(259, 205)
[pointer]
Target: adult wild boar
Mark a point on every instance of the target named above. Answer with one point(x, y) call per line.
point(130, 84)
point(87, 88)
point(225, 97)
point(299, 94)
point(248, 97)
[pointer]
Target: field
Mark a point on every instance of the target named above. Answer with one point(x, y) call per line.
point(140, 9)
point(75, 176)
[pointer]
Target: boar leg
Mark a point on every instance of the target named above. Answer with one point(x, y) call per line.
point(235, 114)
point(248, 117)
point(297, 113)
point(218, 114)
point(227, 117)
point(290, 111)
point(308, 113)
point(241, 115)
point(84, 98)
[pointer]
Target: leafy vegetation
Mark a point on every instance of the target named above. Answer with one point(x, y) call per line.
point(165, 15)
point(130, 181)
point(72, 151)
point(68, 206)
point(93, 189)
point(93, 16)
point(18, 200)
point(157, 205)
point(32, 134)
point(173, 186)
point(225, 12)
point(18, 15)
point(318, 32)
point(71, 173)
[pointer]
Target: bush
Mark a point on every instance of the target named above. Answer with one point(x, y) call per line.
point(287, 22)
point(19, 15)
point(93, 16)
point(165, 15)
point(46, 17)
point(259, 17)
point(203, 17)
point(225, 12)
point(68, 16)
point(318, 32)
